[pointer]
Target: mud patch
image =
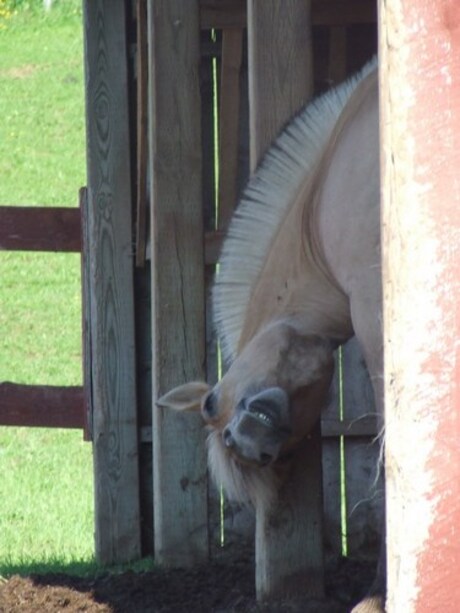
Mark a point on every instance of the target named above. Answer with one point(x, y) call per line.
point(222, 586)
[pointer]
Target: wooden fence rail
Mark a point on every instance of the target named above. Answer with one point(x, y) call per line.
point(39, 228)
point(41, 405)
point(46, 229)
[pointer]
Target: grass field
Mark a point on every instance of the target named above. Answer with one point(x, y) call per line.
point(46, 506)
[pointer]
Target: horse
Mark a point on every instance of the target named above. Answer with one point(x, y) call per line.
point(299, 275)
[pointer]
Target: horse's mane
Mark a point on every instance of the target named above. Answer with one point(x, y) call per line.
point(271, 190)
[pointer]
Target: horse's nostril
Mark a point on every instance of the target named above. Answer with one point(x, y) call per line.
point(228, 439)
point(265, 458)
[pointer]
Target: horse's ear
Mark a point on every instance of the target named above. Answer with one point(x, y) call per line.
point(185, 397)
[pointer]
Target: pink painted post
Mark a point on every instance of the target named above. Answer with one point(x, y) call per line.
point(420, 106)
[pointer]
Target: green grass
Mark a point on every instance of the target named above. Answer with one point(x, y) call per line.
point(46, 500)
point(42, 161)
point(42, 137)
point(46, 494)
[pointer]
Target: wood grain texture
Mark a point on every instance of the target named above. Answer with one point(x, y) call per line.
point(114, 422)
point(86, 313)
point(289, 537)
point(280, 67)
point(178, 307)
point(332, 473)
point(289, 543)
point(41, 405)
point(38, 228)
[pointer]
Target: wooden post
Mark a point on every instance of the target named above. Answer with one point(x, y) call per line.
point(363, 483)
point(280, 67)
point(289, 543)
point(420, 105)
point(178, 307)
point(113, 384)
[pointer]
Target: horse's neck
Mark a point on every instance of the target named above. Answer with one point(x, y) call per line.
point(294, 283)
point(289, 164)
point(297, 279)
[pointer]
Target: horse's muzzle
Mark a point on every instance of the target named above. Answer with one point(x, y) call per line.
point(259, 427)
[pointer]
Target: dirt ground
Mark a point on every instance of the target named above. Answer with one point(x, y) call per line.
point(222, 586)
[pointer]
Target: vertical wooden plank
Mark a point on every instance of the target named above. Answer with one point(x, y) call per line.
point(280, 67)
point(86, 313)
point(363, 478)
point(143, 316)
point(238, 520)
point(210, 49)
point(420, 127)
point(289, 544)
point(289, 537)
point(178, 307)
point(332, 472)
point(115, 443)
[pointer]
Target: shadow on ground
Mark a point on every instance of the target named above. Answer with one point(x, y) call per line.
point(222, 586)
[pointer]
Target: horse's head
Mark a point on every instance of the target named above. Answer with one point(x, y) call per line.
point(263, 407)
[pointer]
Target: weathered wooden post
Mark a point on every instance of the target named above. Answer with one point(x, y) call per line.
point(178, 307)
point(420, 105)
point(111, 308)
point(289, 543)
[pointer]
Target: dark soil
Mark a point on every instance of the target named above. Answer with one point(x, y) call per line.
point(218, 587)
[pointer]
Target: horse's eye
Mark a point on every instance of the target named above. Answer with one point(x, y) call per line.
point(210, 406)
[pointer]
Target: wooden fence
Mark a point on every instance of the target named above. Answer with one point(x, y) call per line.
point(151, 91)
point(52, 229)
point(176, 243)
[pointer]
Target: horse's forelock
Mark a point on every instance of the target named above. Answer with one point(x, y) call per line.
point(241, 483)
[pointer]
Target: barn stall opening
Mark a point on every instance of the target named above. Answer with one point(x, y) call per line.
point(183, 98)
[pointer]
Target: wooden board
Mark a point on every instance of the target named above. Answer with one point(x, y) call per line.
point(222, 14)
point(289, 543)
point(331, 423)
point(363, 474)
point(39, 228)
point(289, 538)
point(85, 268)
point(114, 420)
point(178, 307)
point(279, 44)
point(41, 405)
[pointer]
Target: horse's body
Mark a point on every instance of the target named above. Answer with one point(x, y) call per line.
point(300, 274)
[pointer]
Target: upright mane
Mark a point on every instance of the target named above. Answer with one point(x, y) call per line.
point(269, 194)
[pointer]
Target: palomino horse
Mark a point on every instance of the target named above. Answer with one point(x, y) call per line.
point(299, 275)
